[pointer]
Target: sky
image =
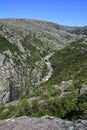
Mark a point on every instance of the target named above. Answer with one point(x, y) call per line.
point(65, 12)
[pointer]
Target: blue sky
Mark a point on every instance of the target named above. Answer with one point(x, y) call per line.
point(66, 12)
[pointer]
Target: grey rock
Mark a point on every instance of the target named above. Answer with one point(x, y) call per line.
point(83, 89)
point(43, 123)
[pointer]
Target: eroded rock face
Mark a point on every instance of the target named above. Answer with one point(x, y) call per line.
point(15, 75)
point(43, 123)
point(4, 85)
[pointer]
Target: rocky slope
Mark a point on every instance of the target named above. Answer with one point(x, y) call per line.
point(43, 123)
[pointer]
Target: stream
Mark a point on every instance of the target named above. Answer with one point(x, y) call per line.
point(50, 70)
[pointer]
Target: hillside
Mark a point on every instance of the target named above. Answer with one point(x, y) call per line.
point(43, 69)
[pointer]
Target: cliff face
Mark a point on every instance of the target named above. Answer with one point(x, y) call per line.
point(24, 46)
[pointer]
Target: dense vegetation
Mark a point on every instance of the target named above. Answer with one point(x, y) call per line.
point(6, 45)
point(69, 63)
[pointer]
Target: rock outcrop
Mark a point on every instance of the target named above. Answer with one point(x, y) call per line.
point(43, 123)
